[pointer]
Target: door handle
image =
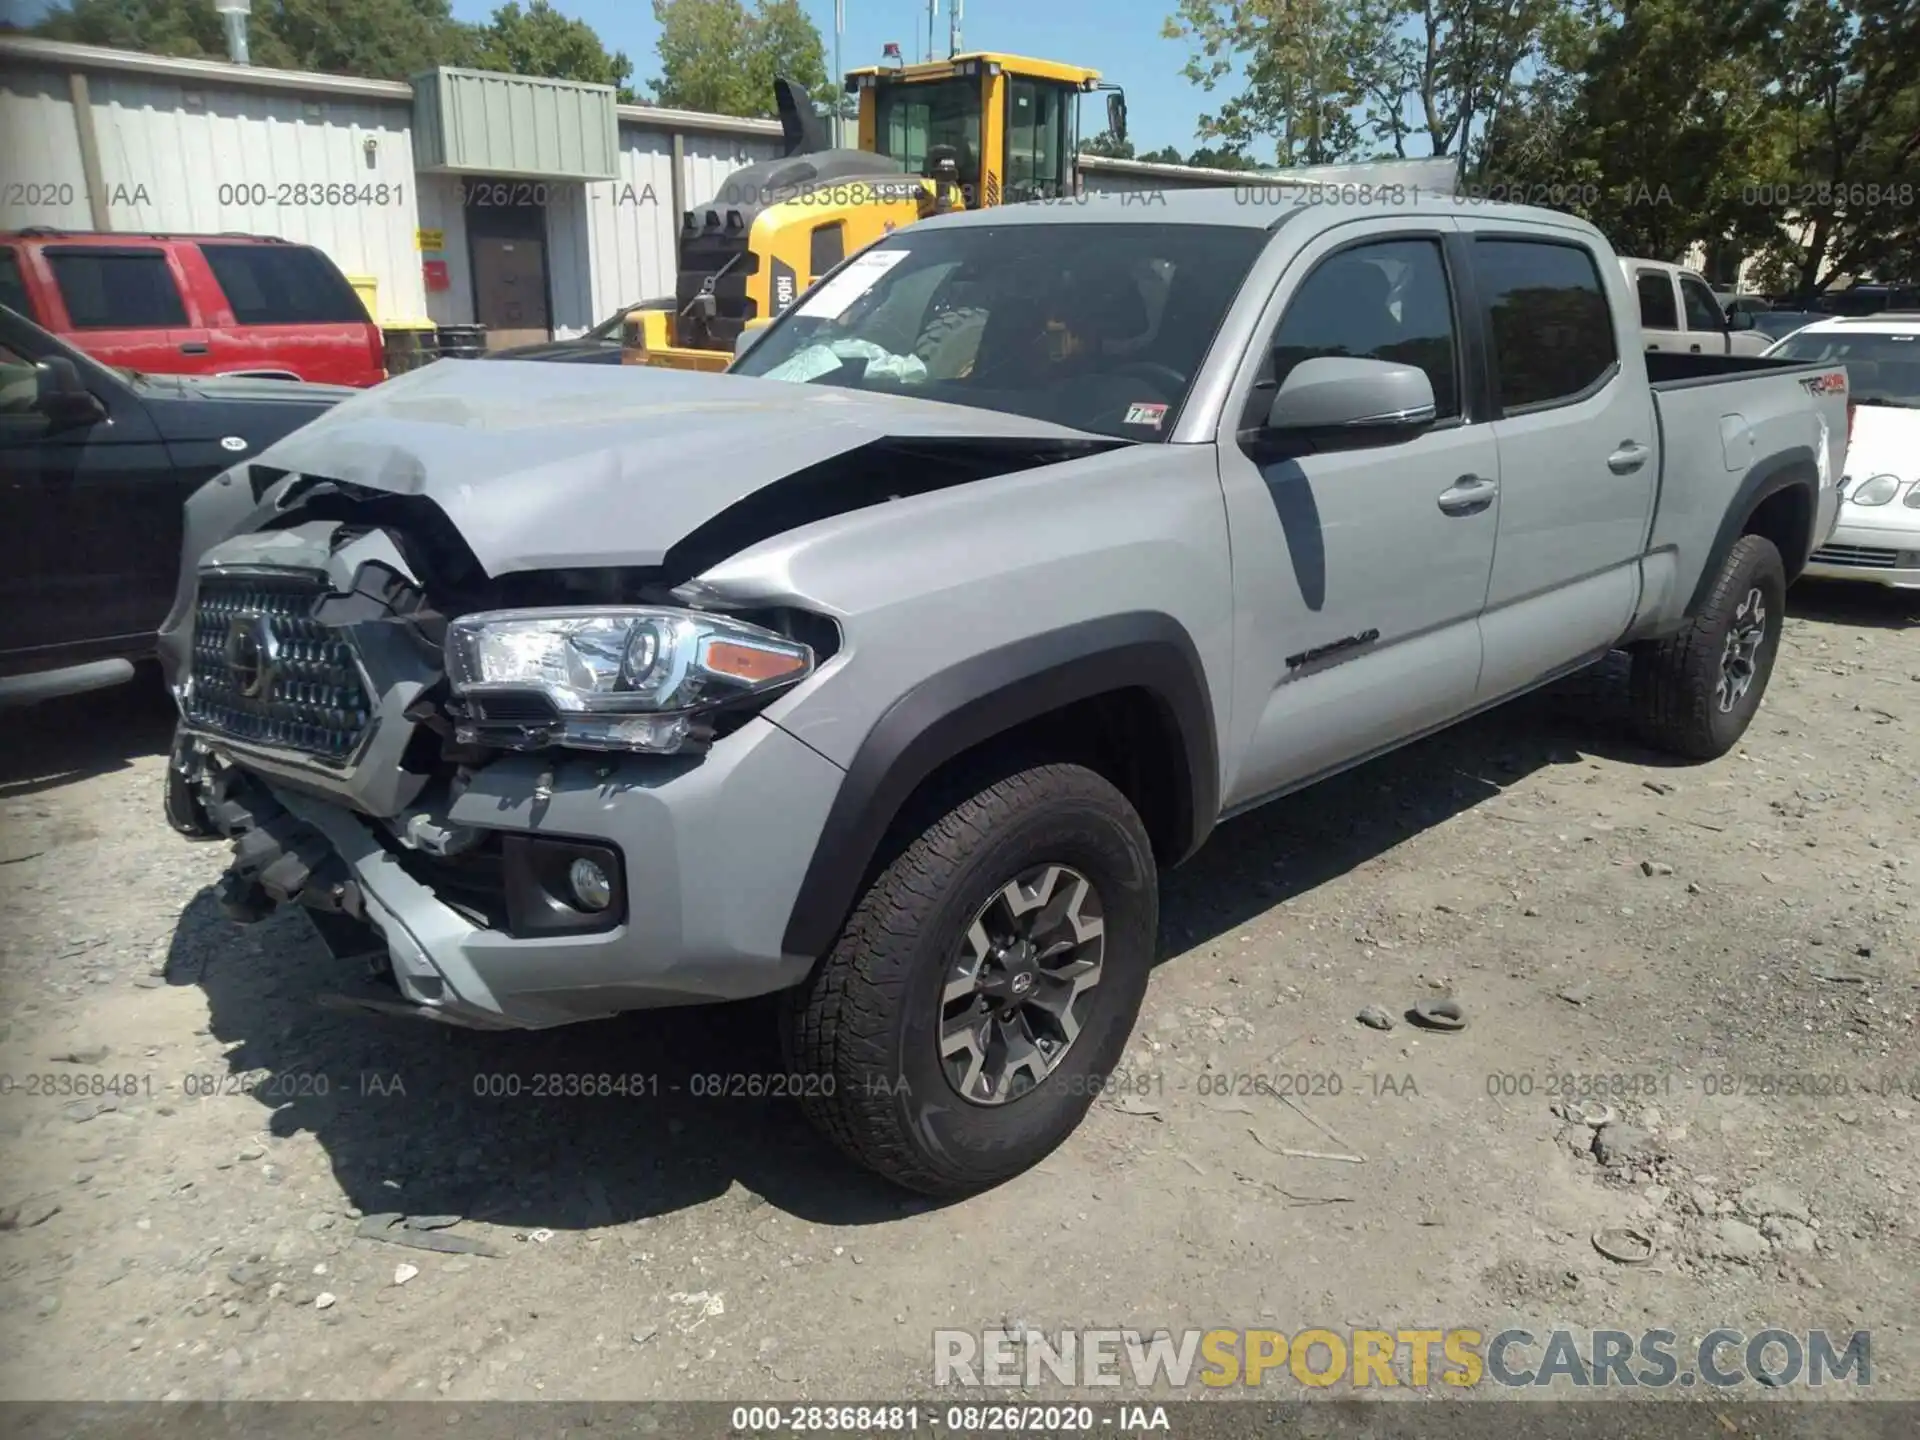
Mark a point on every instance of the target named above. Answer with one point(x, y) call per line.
point(1468, 495)
point(1628, 458)
point(193, 347)
point(1694, 348)
point(1653, 345)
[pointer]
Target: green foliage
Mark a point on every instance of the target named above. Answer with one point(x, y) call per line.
point(541, 41)
point(380, 39)
point(1787, 130)
point(717, 56)
point(1106, 144)
point(1212, 159)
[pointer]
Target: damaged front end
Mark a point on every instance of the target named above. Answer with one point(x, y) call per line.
point(416, 676)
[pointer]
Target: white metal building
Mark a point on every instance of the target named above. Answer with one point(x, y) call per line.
point(205, 146)
point(417, 191)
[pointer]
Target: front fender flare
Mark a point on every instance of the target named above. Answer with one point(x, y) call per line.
point(956, 709)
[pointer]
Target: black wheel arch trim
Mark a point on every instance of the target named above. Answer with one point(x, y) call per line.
point(1784, 470)
point(958, 708)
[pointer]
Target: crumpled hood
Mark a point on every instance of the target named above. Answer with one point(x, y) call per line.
point(545, 466)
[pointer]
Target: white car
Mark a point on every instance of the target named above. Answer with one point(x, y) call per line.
point(1877, 537)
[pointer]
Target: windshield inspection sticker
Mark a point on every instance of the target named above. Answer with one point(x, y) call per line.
point(863, 272)
point(1146, 415)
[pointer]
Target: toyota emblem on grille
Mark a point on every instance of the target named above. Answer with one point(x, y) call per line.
point(252, 654)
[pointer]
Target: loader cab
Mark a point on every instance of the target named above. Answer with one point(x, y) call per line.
point(1012, 123)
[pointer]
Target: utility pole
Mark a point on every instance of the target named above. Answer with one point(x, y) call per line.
point(933, 14)
point(839, 77)
point(954, 8)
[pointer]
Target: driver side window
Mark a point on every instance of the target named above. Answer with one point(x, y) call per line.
point(1385, 300)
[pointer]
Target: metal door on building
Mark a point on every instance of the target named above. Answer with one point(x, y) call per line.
point(506, 242)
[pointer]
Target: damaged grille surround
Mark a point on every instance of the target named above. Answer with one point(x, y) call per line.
point(265, 669)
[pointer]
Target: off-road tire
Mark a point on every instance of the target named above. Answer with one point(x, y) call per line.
point(948, 344)
point(1674, 681)
point(860, 1036)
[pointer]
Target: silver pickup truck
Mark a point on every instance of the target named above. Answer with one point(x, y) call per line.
point(888, 669)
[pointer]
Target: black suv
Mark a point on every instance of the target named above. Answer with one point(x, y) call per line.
point(95, 464)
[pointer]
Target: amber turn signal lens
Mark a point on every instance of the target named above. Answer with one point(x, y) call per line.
point(749, 662)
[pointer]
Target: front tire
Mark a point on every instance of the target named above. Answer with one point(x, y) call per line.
point(1695, 693)
point(984, 986)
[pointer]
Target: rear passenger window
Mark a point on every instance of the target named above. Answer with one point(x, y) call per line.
point(283, 285)
point(1657, 310)
point(13, 287)
point(1548, 319)
point(117, 289)
point(1385, 301)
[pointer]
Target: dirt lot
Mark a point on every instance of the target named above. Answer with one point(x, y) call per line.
point(1744, 927)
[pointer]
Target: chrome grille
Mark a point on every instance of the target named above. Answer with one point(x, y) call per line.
point(264, 670)
point(1861, 557)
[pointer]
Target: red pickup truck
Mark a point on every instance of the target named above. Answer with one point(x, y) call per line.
point(194, 304)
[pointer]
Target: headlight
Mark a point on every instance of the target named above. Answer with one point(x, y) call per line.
point(1913, 496)
point(1876, 491)
point(618, 678)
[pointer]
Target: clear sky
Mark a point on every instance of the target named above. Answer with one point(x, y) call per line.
point(1119, 38)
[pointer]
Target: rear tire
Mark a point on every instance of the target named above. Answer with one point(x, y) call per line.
point(872, 1035)
point(1695, 693)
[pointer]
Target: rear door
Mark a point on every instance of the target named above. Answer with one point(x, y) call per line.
point(285, 311)
point(1579, 454)
point(89, 521)
point(1358, 574)
point(1659, 308)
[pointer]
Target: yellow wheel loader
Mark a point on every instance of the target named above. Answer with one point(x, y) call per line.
point(974, 129)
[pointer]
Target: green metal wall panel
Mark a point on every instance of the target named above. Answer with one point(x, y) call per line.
point(482, 122)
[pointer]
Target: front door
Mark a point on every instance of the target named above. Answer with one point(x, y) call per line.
point(89, 525)
point(1579, 453)
point(1358, 574)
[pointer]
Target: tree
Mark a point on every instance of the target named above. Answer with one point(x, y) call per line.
point(1165, 155)
point(541, 41)
point(1107, 144)
point(717, 56)
point(1848, 142)
point(1296, 63)
point(379, 39)
point(1213, 159)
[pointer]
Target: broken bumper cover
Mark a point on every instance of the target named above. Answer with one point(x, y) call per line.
point(709, 856)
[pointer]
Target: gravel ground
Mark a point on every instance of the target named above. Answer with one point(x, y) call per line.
point(192, 1144)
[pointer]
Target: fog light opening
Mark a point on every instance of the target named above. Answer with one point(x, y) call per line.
point(592, 886)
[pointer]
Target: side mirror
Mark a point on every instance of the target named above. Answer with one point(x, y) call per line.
point(1739, 320)
point(1336, 401)
point(748, 338)
point(1117, 114)
point(61, 396)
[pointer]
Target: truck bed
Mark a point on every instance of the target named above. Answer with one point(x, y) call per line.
point(1667, 369)
point(1730, 426)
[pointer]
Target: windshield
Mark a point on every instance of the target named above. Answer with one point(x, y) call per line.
point(1096, 326)
point(1882, 369)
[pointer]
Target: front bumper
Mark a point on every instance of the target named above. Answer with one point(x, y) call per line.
point(713, 852)
point(1883, 553)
